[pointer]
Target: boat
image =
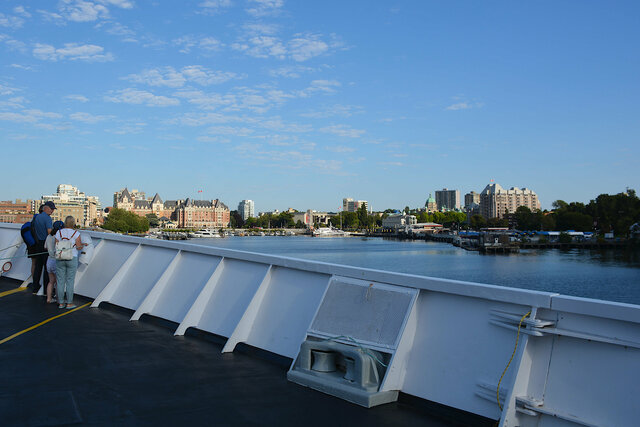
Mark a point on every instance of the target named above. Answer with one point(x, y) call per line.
point(204, 233)
point(369, 337)
point(329, 232)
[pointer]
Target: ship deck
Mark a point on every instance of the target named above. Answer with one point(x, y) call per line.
point(94, 366)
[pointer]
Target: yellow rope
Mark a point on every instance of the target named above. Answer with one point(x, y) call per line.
point(510, 360)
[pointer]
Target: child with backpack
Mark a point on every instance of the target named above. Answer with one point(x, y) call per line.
point(68, 243)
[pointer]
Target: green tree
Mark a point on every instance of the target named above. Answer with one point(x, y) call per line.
point(235, 220)
point(153, 220)
point(477, 222)
point(122, 221)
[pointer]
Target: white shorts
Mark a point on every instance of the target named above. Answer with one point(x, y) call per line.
point(51, 265)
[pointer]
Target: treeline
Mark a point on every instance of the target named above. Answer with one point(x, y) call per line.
point(281, 220)
point(607, 213)
point(122, 221)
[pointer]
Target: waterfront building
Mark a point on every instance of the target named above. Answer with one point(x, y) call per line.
point(496, 202)
point(18, 212)
point(187, 213)
point(470, 199)
point(311, 218)
point(71, 202)
point(350, 205)
point(202, 214)
point(246, 209)
point(399, 221)
point(448, 200)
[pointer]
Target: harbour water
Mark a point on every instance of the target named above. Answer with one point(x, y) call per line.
point(612, 275)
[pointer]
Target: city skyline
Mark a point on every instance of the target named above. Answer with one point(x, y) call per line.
point(292, 105)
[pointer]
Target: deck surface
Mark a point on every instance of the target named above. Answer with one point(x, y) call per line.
point(95, 367)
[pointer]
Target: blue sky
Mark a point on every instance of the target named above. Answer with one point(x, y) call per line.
point(299, 104)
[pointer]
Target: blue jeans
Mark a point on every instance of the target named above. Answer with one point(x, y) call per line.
point(66, 275)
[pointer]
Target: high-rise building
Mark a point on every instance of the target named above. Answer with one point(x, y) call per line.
point(471, 198)
point(72, 202)
point(246, 209)
point(350, 205)
point(448, 199)
point(495, 201)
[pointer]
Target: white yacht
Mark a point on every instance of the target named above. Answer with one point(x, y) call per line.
point(328, 232)
point(205, 233)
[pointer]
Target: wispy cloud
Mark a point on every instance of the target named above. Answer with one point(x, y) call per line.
point(11, 22)
point(343, 130)
point(136, 97)
point(260, 8)
point(206, 44)
point(292, 72)
point(170, 77)
point(6, 89)
point(125, 33)
point(29, 116)
point(212, 7)
point(85, 11)
point(79, 98)
point(341, 149)
point(72, 52)
point(334, 111)
point(261, 41)
point(463, 104)
point(229, 130)
point(88, 118)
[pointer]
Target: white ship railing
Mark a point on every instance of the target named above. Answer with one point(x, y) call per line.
point(577, 361)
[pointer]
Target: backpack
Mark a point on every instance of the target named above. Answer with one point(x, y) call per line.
point(64, 248)
point(26, 231)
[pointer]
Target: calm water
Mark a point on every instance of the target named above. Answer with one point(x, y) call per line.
point(610, 275)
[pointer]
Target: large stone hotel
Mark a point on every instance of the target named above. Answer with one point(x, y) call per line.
point(187, 213)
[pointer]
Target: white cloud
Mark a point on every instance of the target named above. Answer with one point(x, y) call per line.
point(12, 22)
point(261, 8)
point(215, 139)
point(292, 72)
point(341, 149)
point(459, 106)
point(204, 119)
point(21, 67)
point(206, 44)
point(212, 7)
point(303, 47)
point(166, 76)
point(72, 52)
point(343, 130)
point(20, 10)
point(137, 97)
point(117, 29)
point(124, 4)
point(78, 98)
point(29, 116)
point(326, 86)
point(88, 118)
point(229, 130)
point(334, 110)
point(82, 11)
point(6, 90)
point(204, 77)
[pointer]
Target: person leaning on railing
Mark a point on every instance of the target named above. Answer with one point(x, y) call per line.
point(66, 268)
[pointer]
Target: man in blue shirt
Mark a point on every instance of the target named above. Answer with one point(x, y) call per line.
point(42, 225)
